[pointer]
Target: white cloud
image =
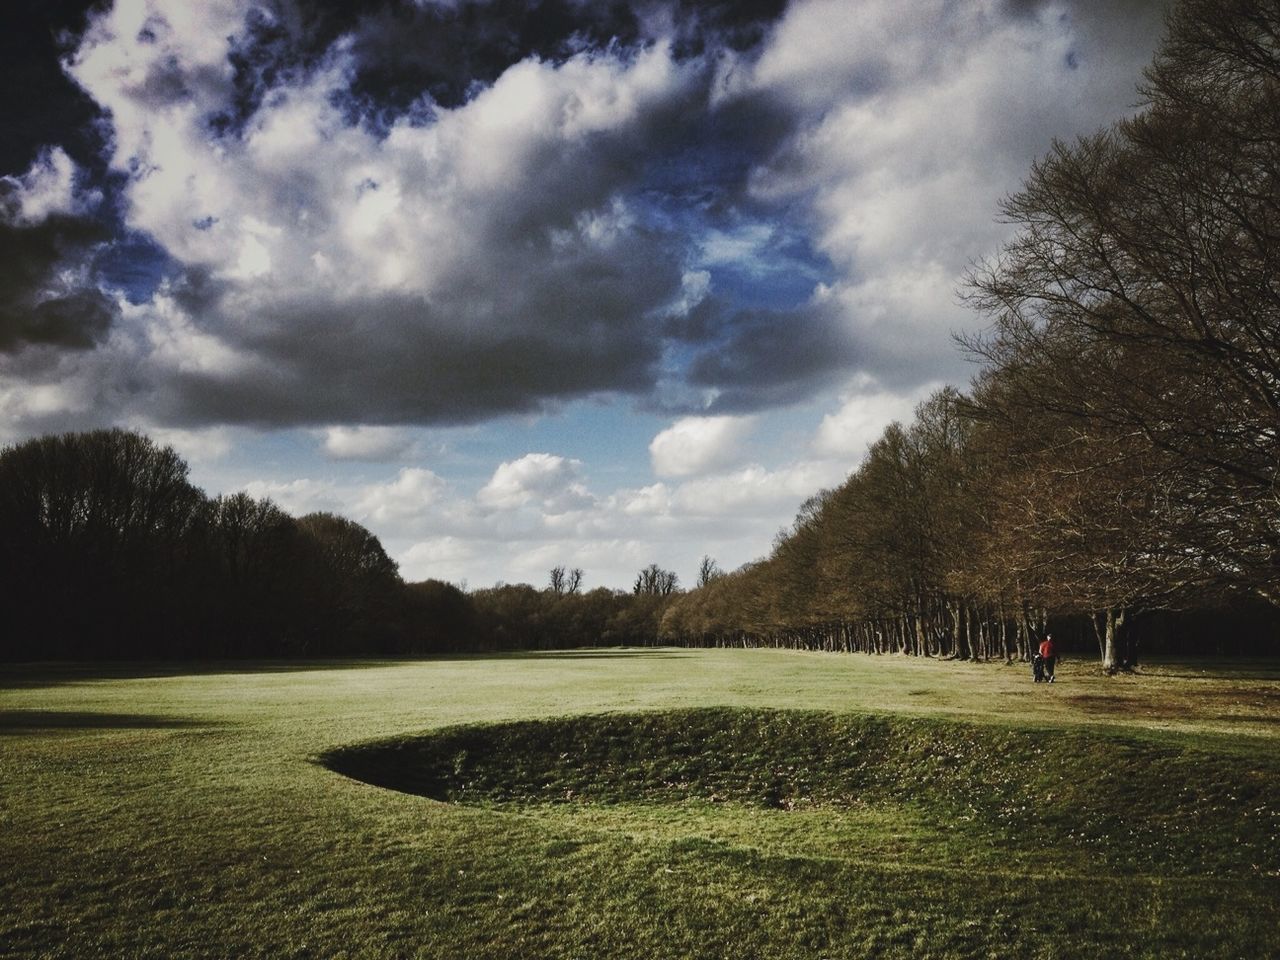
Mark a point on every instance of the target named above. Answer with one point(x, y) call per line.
point(862, 418)
point(536, 512)
point(653, 500)
point(755, 492)
point(48, 188)
point(448, 558)
point(746, 247)
point(406, 499)
point(545, 480)
point(924, 116)
point(369, 443)
point(302, 496)
point(696, 445)
point(203, 446)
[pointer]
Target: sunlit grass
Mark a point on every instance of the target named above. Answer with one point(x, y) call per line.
point(184, 813)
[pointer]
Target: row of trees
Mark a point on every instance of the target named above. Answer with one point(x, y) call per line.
point(1120, 450)
point(921, 551)
point(108, 550)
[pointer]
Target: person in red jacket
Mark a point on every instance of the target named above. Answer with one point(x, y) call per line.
point(1048, 655)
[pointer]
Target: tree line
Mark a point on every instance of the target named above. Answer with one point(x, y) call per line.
point(1119, 451)
point(107, 550)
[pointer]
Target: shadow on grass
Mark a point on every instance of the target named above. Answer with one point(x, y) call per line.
point(52, 674)
point(1217, 669)
point(14, 722)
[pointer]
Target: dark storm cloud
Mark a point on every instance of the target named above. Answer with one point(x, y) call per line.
point(49, 276)
point(405, 54)
point(739, 25)
point(769, 358)
point(700, 158)
point(35, 306)
point(398, 359)
point(514, 330)
point(538, 315)
point(41, 105)
point(548, 297)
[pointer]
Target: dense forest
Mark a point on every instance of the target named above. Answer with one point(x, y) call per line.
point(1113, 473)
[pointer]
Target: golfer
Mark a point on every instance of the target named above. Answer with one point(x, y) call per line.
point(1048, 656)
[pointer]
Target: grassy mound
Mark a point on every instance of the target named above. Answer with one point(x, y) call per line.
point(1128, 802)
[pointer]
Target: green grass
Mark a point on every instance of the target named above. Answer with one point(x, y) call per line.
point(186, 812)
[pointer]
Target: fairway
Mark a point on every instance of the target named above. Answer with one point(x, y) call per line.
point(180, 810)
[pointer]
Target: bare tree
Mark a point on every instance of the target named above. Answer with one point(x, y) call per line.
point(655, 581)
point(708, 570)
point(1137, 303)
point(564, 582)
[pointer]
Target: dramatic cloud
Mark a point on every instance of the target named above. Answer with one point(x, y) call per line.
point(771, 358)
point(438, 213)
point(47, 240)
point(342, 251)
point(231, 219)
point(924, 116)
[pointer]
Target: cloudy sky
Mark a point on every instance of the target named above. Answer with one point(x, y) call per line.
point(518, 283)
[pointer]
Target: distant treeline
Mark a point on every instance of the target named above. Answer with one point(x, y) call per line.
point(1117, 461)
point(107, 550)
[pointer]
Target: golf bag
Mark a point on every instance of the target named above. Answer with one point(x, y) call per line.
point(1037, 668)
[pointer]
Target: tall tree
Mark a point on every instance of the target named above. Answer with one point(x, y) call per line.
point(557, 581)
point(708, 570)
point(653, 580)
point(354, 580)
point(1140, 299)
point(253, 588)
point(563, 582)
point(93, 542)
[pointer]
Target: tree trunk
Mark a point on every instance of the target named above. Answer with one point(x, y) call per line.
point(1111, 659)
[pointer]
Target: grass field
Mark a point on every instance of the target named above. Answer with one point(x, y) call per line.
point(830, 806)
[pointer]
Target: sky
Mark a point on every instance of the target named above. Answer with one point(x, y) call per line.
point(521, 283)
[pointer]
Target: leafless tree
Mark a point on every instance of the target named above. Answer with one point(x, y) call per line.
point(708, 570)
point(655, 581)
point(557, 581)
point(1138, 303)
